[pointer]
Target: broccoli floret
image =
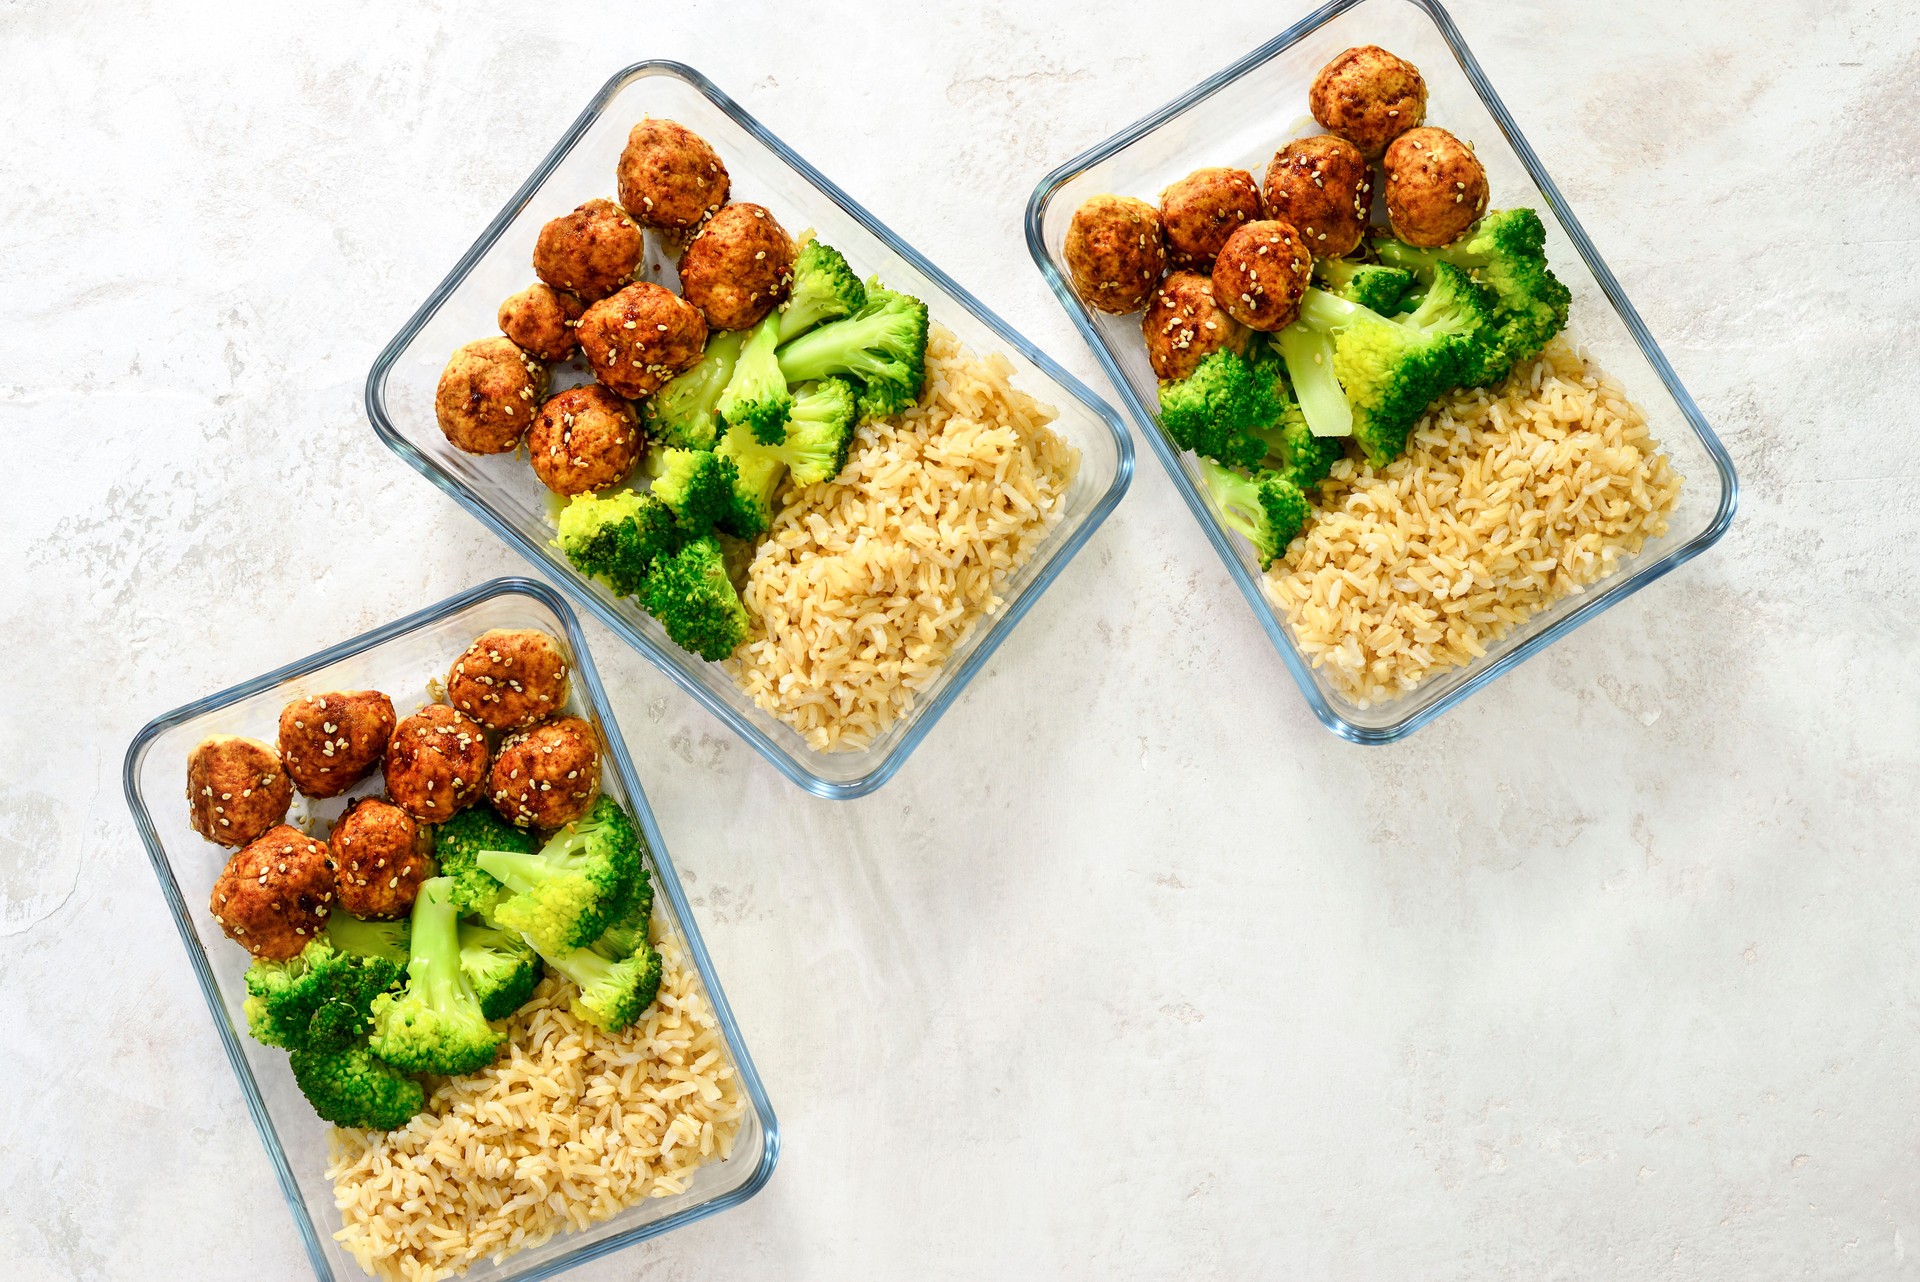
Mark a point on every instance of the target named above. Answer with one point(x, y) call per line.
point(351, 1086)
point(883, 345)
point(612, 993)
point(627, 933)
point(617, 537)
point(685, 414)
point(457, 844)
point(824, 289)
point(757, 472)
point(1266, 507)
point(501, 966)
point(318, 999)
point(694, 600)
point(820, 433)
point(362, 938)
point(1216, 410)
point(435, 1025)
point(757, 396)
point(1292, 449)
point(1372, 285)
point(564, 894)
point(697, 486)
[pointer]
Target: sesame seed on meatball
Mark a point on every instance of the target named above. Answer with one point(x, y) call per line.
point(542, 320)
point(1261, 275)
point(487, 396)
point(1436, 187)
point(436, 763)
point(641, 337)
point(1322, 186)
point(1369, 97)
point(1201, 210)
point(379, 859)
point(236, 789)
point(273, 897)
point(332, 741)
point(1115, 252)
point(591, 251)
point(738, 267)
point(546, 777)
point(1183, 325)
point(669, 177)
point(584, 439)
point(509, 678)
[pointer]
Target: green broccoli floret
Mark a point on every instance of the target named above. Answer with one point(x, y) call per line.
point(362, 938)
point(697, 486)
point(883, 345)
point(824, 289)
point(612, 993)
point(457, 844)
point(1266, 507)
point(318, 999)
point(685, 414)
point(435, 1025)
point(757, 397)
point(1505, 252)
point(617, 537)
point(1292, 449)
point(757, 471)
point(1216, 410)
point(501, 966)
point(694, 600)
point(564, 894)
point(627, 933)
point(1372, 285)
point(820, 433)
point(351, 1086)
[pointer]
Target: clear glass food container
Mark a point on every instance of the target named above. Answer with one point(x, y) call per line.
point(400, 660)
point(1241, 117)
point(504, 494)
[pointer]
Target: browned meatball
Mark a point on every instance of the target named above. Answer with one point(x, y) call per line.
point(236, 789)
point(273, 897)
point(584, 439)
point(641, 337)
point(1436, 187)
point(1116, 252)
point(330, 742)
point(1183, 325)
point(1262, 273)
point(546, 777)
point(379, 859)
point(436, 763)
point(509, 678)
point(542, 320)
point(1369, 97)
point(488, 394)
point(591, 251)
point(1203, 209)
point(1322, 186)
point(738, 267)
point(669, 177)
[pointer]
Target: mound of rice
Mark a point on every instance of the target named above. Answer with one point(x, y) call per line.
point(569, 1127)
point(866, 583)
point(1507, 499)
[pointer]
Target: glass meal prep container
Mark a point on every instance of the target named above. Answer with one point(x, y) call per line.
point(400, 660)
point(504, 494)
point(1240, 117)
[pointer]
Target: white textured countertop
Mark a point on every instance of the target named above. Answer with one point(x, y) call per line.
point(1134, 971)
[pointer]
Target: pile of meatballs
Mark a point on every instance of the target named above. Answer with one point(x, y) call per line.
point(1241, 254)
point(735, 266)
point(501, 737)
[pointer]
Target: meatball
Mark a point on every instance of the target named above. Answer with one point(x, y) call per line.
point(1183, 325)
point(1261, 275)
point(330, 742)
point(584, 439)
point(669, 177)
point(641, 337)
point(1436, 187)
point(1322, 186)
point(546, 777)
point(542, 320)
point(1203, 209)
point(591, 251)
point(738, 267)
point(379, 859)
point(273, 897)
point(509, 678)
point(1116, 251)
point(487, 395)
point(436, 763)
point(236, 789)
point(1369, 97)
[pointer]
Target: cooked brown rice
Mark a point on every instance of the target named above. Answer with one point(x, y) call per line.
point(866, 583)
point(569, 1127)
point(1507, 499)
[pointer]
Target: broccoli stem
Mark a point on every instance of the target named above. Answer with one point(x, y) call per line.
point(518, 872)
point(583, 966)
point(1420, 262)
point(433, 960)
point(1308, 353)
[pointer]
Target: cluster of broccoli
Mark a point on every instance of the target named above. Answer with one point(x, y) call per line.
point(369, 1008)
point(1375, 344)
point(778, 401)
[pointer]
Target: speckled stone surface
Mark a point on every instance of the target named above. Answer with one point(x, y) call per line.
point(1134, 971)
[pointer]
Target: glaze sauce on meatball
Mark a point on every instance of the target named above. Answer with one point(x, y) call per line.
point(669, 177)
point(487, 396)
point(273, 897)
point(1201, 210)
point(379, 859)
point(237, 789)
point(332, 741)
point(436, 763)
point(1116, 251)
point(641, 337)
point(509, 678)
point(546, 777)
point(1184, 324)
point(738, 267)
point(590, 252)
